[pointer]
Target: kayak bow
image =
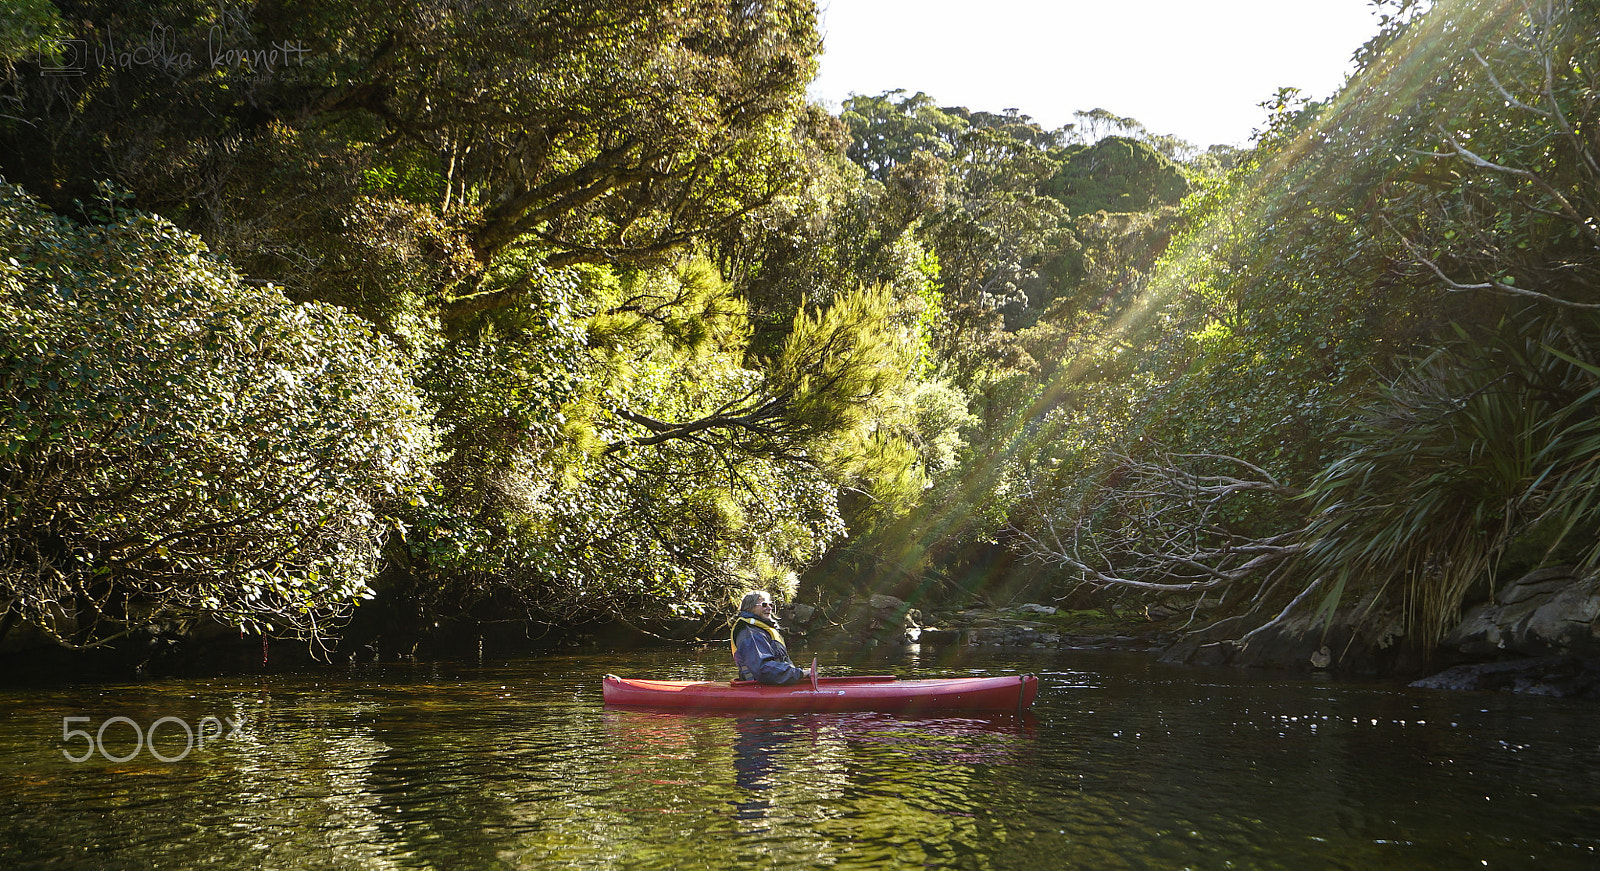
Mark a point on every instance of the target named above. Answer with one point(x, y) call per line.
point(852, 693)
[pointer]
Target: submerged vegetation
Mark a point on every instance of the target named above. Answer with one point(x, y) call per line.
point(545, 311)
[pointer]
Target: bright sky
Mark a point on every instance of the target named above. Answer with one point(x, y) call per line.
point(1194, 68)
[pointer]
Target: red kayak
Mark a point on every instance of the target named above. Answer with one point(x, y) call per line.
point(885, 693)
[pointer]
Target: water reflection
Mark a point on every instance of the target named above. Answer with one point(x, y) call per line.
point(759, 740)
point(756, 743)
point(1124, 763)
point(856, 789)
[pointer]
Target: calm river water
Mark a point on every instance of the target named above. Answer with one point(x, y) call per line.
point(1124, 763)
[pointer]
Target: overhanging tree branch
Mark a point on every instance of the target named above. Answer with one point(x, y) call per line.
point(1150, 527)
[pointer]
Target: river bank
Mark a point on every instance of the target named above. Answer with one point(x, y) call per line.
point(1539, 635)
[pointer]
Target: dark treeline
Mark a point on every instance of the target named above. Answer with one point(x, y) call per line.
point(445, 314)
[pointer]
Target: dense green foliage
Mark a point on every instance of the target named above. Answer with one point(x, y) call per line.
point(514, 192)
point(656, 330)
point(178, 444)
point(1116, 174)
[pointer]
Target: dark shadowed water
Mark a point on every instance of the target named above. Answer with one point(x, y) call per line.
point(1124, 763)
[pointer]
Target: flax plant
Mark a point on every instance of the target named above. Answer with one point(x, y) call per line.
point(1573, 456)
point(1485, 445)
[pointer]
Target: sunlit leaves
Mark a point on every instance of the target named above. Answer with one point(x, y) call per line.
point(612, 440)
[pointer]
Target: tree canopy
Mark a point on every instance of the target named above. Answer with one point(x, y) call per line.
point(180, 445)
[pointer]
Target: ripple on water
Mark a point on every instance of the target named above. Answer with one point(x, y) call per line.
point(1123, 764)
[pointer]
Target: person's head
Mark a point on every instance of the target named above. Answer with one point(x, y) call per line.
point(757, 602)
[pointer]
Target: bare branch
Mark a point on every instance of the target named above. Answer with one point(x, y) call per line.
point(1284, 614)
point(1505, 94)
point(1149, 528)
point(1496, 286)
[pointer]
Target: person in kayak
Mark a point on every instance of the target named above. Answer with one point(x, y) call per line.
point(758, 648)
